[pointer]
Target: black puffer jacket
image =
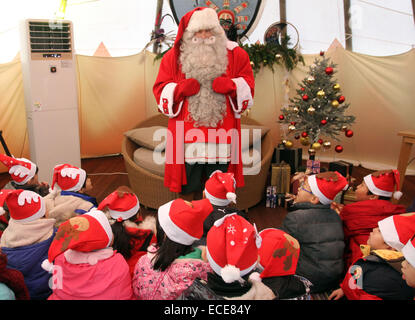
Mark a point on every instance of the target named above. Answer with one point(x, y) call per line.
point(319, 231)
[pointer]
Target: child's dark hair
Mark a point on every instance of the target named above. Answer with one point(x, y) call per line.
point(168, 250)
point(122, 239)
point(380, 197)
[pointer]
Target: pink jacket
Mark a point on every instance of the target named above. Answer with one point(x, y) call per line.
point(150, 284)
point(99, 275)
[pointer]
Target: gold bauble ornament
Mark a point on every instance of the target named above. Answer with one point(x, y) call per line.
point(321, 94)
point(336, 86)
point(252, 63)
point(296, 110)
point(289, 144)
point(344, 128)
point(335, 103)
point(305, 141)
point(326, 144)
point(291, 128)
point(311, 110)
point(316, 146)
point(311, 152)
point(310, 79)
point(284, 141)
point(278, 56)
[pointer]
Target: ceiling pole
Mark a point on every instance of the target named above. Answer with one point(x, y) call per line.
point(283, 11)
point(347, 29)
point(157, 24)
point(413, 9)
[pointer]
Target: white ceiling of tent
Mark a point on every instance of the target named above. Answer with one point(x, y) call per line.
point(379, 27)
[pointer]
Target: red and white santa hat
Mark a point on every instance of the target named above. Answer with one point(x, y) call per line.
point(68, 177)
point(398, 229)
point(278, 254)
point(195, 20)
point(85, 233)
point(327, 185)
point(183, 223)
point(21, 170)
point(3, 195)
point(232, 247)
point(220, 188)
point(120, 205)
point(409, 251)
point(383, 183)
point(25, 205)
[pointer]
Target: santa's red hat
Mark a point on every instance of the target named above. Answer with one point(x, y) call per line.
point(120, 205)
point(85, 233)
point(327, 185)
point(21, 170)
point(183, 223)
point(68, 177)
point(232, 247)
point(195, 20)
point(383, 183)
point(278, 254)
point(25, 205)
point(398, 229)
point(220, 188)
point(409, 251)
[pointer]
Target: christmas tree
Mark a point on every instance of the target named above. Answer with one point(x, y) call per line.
point(318, 111)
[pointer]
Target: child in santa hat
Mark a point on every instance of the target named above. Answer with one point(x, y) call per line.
point(69, 193)
point(408, 265)
point(318, 229)
point(172, 264)
point(84, 265)
point(378, 275)
point(372, 204)
point(278, 258)
point(24, 175)
point(232, 251)
point(220, 190)
point(27, 238)
point(132, 234)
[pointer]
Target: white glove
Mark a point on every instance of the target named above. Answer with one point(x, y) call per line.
point(27, 196)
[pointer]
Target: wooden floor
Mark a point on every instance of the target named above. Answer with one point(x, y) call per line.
point(108, 173)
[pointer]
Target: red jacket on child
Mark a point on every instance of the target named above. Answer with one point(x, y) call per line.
point(359, 219)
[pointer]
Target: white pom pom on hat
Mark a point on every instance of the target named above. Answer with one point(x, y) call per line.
point(230, 273)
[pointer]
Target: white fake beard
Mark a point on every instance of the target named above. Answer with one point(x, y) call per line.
point(205, 60)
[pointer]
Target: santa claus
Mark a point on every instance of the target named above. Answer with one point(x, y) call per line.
point(205, 82)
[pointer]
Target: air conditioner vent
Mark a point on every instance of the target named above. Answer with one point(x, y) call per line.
point(50, 39)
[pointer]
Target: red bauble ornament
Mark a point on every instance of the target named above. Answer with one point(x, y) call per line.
point(349, 133)
point(341, 99)
point(338, 148)
point(281, 117)
point(293, 123)
point(321, 53)
point(329, 70)
point(323, 122)
point(304, 134)
point(302, 89)
point(321, 141)
point(305, 97)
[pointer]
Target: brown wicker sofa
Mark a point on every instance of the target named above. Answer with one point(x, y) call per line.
point(150, 186)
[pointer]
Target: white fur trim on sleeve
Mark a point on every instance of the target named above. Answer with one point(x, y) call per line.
point(243, 95)
point(166, 100)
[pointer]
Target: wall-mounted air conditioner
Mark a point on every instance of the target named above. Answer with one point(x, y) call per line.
point(51, 95)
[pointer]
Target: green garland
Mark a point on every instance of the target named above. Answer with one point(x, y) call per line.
point(270, 54)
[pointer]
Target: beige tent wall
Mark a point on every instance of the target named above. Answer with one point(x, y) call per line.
point(116, 93)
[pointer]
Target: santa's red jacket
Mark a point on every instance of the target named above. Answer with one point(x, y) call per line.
point(240, 71)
